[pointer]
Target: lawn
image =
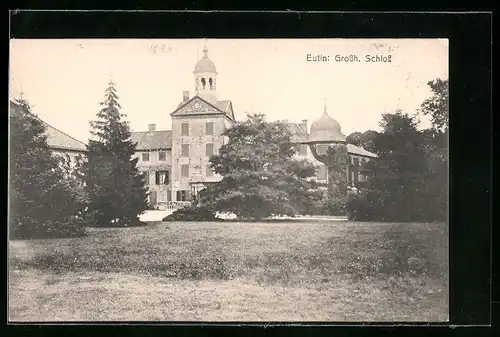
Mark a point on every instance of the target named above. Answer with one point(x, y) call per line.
point(281, 271)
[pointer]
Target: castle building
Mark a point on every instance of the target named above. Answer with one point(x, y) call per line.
point(177, 161)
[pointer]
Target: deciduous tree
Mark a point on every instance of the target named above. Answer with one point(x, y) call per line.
point(260, 176)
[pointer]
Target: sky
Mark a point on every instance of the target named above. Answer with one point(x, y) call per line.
point(64, 79)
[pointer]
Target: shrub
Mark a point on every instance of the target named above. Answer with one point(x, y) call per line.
point(191, 213)
point(332, 207)
point(359, 206)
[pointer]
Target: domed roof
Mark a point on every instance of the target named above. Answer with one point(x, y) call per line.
point(205, 65)
point(326, 129)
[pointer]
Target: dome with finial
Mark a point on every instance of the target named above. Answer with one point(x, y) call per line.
point(205, 65)
point(326, 129)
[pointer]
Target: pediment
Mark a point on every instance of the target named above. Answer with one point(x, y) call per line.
point(196, 106)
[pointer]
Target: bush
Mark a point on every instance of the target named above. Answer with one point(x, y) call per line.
point(29, 228)
point(359, 206)
point(191, 213)
point(332, 207)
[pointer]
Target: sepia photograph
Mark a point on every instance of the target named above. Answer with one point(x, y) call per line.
point(228, 180)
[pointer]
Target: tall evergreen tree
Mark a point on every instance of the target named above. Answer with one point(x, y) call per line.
point(40, 201)
point(116, 189)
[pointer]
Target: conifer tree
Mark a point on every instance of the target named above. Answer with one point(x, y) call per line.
point(116, 189)
point(40, 202)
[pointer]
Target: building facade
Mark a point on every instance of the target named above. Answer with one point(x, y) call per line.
point(176, 161)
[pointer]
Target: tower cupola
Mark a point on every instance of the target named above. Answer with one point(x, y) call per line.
point(205, 76)
point(326, 129)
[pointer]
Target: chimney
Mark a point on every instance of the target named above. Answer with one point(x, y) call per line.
point(152, 128)
point(304, 125)
point(185, 96)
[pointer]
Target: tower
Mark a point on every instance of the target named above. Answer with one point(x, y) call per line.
point(198, 125)
point(328, 145)
point(205, 77)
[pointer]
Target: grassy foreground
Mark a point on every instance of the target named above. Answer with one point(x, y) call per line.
point(285, 271)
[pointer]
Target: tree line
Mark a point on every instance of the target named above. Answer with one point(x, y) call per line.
point(409, 179)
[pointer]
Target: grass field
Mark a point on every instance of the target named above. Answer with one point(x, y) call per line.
point(283, 271)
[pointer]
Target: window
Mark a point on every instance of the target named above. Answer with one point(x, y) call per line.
point(210, 128)
point(145, 156)
point(209, 172)
point(185, 170)
point(355, 161)
point(184, 129)
point(303, 150)
point(209, 149)
point(162, 156)
point(162, 178)
point(185, 150)
point(182, 195)
point(322, 172)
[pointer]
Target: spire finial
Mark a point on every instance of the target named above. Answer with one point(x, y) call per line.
point(21, 94)
point(324, 109)
point(111, 81)
point(205, 51)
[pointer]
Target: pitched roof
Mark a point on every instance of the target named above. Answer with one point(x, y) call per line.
point(160, 139)
point(56, 139)
point(227, 107)
point(223, 105)
point(298, 134)
point(351, 148)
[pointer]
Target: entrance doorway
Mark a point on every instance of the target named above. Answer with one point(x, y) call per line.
point(153, 198)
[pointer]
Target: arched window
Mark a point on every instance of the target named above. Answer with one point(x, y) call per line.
point(211, 83)
point(203, 83)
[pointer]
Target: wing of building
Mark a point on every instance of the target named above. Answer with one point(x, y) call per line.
point(60, 142)
point(328, 129)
